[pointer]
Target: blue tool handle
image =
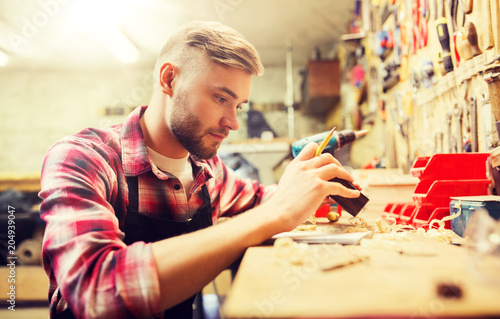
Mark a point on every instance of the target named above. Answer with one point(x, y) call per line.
point(298, 145)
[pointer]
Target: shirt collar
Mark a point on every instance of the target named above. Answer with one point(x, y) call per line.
point(134, 152)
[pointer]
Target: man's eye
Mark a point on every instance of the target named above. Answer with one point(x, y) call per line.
point(221, 100)
point(239, 107)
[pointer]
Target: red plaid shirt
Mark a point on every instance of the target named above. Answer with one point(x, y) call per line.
point(85, 198)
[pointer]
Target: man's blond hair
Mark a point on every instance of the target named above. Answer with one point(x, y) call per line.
point(219, 43)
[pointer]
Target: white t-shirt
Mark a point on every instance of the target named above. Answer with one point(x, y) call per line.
point(180, 168)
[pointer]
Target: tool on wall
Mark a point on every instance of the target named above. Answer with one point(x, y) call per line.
point(473, 126)
point(433, 13)
point(495, 170)
point(401, 122)
point(399, 33)
point(489, 135)
point(456, 25)
point(449, 117)
point(438, 142)
point(415, 80)
point(472, 38)
point(444, 39)
point(495, 25)
point(373, 91)
point(427, 72)
point(469, 115)
point(492, 76)
point(467, 4)
point(383, 117)
point(457, 127)
point(463, 46)
point(385, 43)
point(404, 39)
point(420, 14)
point(390, 75)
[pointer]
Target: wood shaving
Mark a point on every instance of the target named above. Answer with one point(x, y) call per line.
point(442, 234)
point(283, 247)
point(447, 218)
point(357, 221)
point(358, 225)
point(325, 257)
point(445, 235)
point(286, 248)
point(313, 219)
point(306, 227)
point(390, 241)
point(389, 234)
point(356, 229)
point(383, 227)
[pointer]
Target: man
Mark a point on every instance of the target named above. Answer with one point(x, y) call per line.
point(117, 200)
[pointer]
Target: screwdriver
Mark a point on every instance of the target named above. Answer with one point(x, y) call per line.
point(444, 39)
point(333, 142)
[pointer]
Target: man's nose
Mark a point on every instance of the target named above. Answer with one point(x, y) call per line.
point(230, 121)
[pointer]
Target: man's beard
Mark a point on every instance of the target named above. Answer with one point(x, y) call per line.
point(186, 127)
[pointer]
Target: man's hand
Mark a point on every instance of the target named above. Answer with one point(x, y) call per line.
point(305, 184)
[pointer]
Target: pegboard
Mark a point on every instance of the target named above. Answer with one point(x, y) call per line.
point(428, 110)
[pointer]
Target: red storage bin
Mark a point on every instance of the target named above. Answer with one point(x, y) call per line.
point(439, 192)
point(441, 176)
point(451, 166)
point(407, 213)
point(424, 215)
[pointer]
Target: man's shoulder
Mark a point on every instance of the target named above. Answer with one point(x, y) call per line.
point(99, 136)
point(105, 142)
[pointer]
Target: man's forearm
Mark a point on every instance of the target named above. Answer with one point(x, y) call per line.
point(185, 264)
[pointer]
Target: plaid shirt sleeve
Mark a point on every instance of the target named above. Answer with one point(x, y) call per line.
point(232, 194)
point(83, 252)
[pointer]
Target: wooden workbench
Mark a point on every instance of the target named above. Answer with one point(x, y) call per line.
point(20, 182)
point(388, 284)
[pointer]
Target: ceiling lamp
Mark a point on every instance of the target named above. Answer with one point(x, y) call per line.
point(4, 59)
point(119, 45)
point(100, 18)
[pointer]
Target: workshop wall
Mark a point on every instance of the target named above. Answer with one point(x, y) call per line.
point(395, 83)
point(271, 86)
point(40, 107)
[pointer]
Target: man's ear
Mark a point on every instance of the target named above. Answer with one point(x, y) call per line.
point(168, 72)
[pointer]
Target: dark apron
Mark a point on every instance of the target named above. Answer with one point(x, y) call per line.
point(139, 227)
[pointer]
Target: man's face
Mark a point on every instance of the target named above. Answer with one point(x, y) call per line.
point(204, 108)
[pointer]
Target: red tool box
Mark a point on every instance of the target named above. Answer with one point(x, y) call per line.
point(441, 176)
